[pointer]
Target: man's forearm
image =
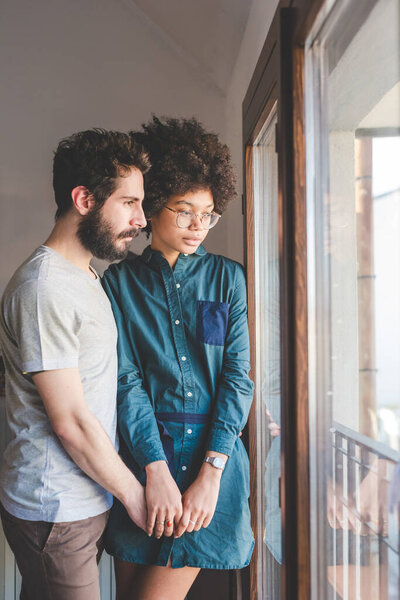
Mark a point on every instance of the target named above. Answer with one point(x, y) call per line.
point(91, 449)
point(85, 440)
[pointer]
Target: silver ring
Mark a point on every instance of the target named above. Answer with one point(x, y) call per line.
point(192, 522)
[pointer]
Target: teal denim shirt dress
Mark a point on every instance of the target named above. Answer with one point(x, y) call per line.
point(183, 389)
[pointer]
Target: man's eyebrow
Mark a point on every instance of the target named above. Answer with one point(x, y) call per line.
point(130, 197)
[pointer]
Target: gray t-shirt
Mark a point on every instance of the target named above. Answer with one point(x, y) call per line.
point(53, 316)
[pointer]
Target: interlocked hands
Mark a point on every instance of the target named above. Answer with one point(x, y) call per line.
point(169, 512)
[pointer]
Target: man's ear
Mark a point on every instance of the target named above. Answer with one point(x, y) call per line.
point(82, 199)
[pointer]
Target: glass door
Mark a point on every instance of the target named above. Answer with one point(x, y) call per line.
point(267, 359)
point(353, 215)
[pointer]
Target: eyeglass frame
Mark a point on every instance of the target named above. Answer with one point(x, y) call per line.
point(194, 215)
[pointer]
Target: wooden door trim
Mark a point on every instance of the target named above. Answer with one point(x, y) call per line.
point(282, 78)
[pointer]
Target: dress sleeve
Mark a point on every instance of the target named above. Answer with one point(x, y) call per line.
point(136, 420)
point(235, 389)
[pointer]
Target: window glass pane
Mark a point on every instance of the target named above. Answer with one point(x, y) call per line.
point(268, 393)
point(353, 196)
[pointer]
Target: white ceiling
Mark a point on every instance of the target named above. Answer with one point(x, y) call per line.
point(207, 33)
point(366, 72)
point(386, 113)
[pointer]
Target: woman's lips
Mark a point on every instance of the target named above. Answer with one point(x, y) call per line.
point(192, 241)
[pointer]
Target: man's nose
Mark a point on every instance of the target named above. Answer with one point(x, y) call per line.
point(138, 218)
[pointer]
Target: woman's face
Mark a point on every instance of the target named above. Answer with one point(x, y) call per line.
point(170, 239)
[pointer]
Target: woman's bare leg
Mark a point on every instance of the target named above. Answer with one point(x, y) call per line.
point(165, 583)
point(141, 582)
point(127, 575)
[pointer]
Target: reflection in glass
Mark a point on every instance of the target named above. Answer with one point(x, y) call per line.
point(268, 356)
point(353, 196)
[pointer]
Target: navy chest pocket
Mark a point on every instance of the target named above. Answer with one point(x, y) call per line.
point(212, 322)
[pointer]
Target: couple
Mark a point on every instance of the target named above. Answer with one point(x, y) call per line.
point(166, 347)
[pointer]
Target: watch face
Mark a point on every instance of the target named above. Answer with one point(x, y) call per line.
point(218, 462)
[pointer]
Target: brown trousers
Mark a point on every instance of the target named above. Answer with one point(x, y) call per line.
point(57, 561)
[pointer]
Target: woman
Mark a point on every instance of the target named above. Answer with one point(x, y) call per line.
point(183, 386)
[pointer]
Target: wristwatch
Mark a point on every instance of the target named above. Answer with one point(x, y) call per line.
point(215, 461)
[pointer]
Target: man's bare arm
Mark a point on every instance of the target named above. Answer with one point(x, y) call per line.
point(85, 440)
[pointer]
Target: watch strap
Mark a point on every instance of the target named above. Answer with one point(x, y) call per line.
point(215, 461)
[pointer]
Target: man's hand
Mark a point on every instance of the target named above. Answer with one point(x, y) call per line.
point(163, 498)
point(135, 505)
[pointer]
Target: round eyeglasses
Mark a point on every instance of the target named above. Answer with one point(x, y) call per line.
point(185, 218)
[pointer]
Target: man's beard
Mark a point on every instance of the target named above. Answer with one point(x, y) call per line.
point(96, 235)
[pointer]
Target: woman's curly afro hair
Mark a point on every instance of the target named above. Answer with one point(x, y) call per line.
point(184, 158)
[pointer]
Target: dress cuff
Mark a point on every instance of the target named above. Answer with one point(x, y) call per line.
point(149, 452)
point(221, 441)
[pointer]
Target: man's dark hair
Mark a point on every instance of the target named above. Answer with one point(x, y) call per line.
point(94, 159)
point(185, 158)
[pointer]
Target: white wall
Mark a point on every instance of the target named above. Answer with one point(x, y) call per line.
point(67, 66)
point(259, 21)
point(71, 65)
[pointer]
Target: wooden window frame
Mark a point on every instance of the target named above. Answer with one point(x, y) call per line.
point(279, 76)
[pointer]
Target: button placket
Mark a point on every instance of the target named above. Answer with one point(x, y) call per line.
point(178, 332)
point(181, 349)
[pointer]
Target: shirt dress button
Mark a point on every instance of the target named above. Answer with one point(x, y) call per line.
point(183, 357)
point(177, 322)
point(189, 394)
point(184, 254)
point(189, 431)
point(184, 468)
point(178, 285)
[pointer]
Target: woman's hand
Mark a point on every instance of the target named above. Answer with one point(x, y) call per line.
point(199, 500)
point(163, 498)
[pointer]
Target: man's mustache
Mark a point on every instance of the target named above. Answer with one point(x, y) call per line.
point(130, 233)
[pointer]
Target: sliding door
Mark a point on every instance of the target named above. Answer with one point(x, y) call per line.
point(353, 206)
point(278, 421)
point(267, 356)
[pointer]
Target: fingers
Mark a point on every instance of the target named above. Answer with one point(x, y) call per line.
point(207, 521)
point(169, 526)
point(191, 522)
point(151, 521)
point(161, 523)
point(199, 522)
point(159, 526)
point(183, 523)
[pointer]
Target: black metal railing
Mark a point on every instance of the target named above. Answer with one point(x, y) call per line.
point(363, 512)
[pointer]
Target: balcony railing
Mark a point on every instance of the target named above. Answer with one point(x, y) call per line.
point(363, 512)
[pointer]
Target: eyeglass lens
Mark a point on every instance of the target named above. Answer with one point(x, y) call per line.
point(185, 219)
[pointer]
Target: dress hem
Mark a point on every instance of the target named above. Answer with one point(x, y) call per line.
point(188, 564)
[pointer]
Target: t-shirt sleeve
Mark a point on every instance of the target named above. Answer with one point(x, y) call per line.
point(45, 326)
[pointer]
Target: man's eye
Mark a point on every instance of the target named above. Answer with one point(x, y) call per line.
point(129, 202)
point(207, 215)
point(185, 213)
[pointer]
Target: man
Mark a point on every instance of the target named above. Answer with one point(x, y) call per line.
point(58, 336)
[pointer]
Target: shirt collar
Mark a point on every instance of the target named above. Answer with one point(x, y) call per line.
point(148, 252)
